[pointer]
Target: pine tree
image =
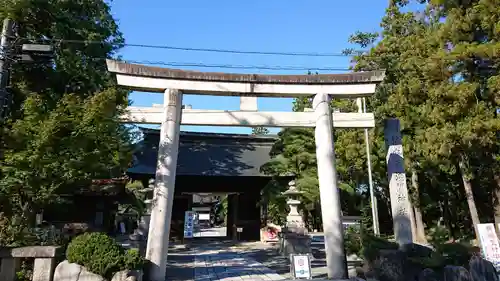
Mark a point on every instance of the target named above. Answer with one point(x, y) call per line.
point(399, 50)
point(464, 90)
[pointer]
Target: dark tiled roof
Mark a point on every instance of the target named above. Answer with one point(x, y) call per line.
point(320, 79)
point(207, 154)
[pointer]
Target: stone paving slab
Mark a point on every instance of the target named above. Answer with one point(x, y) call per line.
point(231, 267)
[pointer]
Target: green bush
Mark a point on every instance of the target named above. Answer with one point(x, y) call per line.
point(373, 244)
point(133, 260)
point(353, 242)
point(101, 255)
point(457, 254)
point(438, 235)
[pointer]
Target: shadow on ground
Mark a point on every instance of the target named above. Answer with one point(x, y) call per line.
point(181, 257)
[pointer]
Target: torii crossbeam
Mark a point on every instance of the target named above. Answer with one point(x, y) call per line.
point(238, 118)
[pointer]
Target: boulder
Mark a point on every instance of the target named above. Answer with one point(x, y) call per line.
point(456, 273)
point(394, 265)
point(86, 275)
point(128, 275)
point(66, 271)
point(124, 275)
point(417, 250)
point(428, 275)
point(482, 270)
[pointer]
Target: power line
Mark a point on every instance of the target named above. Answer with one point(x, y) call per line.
point(233, 66)
point(227, 66)
point(212, 50)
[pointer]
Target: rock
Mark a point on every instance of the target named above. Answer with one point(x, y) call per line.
point(127, 275)
point(456, 273)
point(417, 250)
point(86, 275)
point(66, 271)
point(389, 266)
point(120, 276)
point(352, 271)
point(394, 265)
point(294, 243)
point(428, 275)
point(482, 270)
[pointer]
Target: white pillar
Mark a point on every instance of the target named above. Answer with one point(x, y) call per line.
point(331, 212)
point(400, 203)
point(163, 197)
point(361, 102)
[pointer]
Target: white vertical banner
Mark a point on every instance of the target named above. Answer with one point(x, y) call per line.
point(189, 224)
point(489, 243)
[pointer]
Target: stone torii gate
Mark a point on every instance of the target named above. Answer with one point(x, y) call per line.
point(174, 83)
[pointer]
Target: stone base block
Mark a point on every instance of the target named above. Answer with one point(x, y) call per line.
point(293, 243)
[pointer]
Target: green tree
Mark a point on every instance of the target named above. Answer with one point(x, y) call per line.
point(294, 153)
point(441, 84)
point(64, 128)
point(464, 93)
point(399, 51)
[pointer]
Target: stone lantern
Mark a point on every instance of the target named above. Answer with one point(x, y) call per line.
point(140, 235)
point(294, 238)
point(146, 216)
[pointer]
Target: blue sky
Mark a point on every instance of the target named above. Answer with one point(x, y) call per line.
point(321, 26)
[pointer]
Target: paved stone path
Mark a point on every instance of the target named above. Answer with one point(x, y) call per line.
point(205, 259)
point(231, 266)
point(208, 260)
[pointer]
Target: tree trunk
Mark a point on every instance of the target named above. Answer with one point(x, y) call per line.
point(497, 199)
point(419, 223)
point(470, 196)
point(412, 221)
point(264, 213)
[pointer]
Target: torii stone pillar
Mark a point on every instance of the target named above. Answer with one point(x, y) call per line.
point(163, 197)
point(331, 212)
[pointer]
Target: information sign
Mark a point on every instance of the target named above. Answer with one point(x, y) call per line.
point(300, 266)
point(489, 243)
point(189, 224)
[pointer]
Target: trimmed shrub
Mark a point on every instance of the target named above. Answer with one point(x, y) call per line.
point(132, 260)
point(353, 242)
point(100, 254)
point(372, 245)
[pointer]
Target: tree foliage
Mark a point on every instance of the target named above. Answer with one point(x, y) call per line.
point(442, 82)
point(63, 129)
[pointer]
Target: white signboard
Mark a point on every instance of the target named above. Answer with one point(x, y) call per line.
point(489, 243)
point(204, 217)
point(189, 224)
point(122, 228)
point(301, 266)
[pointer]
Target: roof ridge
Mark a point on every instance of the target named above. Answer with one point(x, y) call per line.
point(212, 134)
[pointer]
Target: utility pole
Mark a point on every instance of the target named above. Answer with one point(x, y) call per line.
point(5, 62)
point(361, 102)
